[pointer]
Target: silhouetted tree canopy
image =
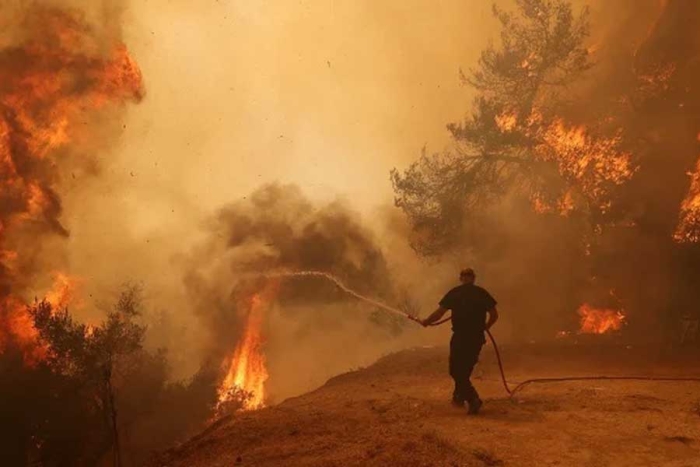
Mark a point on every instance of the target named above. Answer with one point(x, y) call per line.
point(94, 385)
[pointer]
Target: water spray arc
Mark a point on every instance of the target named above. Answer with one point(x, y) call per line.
point(339, 283)
point(341, 286)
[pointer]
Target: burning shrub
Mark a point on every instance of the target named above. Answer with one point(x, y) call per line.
point(234, 286)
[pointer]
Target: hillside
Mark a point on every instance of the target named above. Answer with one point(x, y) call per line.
point(396, 412)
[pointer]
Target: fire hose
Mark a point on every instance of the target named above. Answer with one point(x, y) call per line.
point(511, 391)
point(521, 385)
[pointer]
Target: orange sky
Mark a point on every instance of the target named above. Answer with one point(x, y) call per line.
point(328, 94)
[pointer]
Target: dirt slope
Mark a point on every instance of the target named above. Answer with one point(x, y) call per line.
point(396, 413)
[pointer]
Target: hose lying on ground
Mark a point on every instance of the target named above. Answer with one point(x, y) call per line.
point(498, 359)
point(520, 386)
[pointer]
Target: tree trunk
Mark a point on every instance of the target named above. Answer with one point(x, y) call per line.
point(113, 417)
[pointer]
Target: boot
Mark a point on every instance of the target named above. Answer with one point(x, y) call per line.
point(474, 406)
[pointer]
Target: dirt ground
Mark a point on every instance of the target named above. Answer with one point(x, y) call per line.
point(397, 413)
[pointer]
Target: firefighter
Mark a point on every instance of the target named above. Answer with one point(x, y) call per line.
point(469, 304)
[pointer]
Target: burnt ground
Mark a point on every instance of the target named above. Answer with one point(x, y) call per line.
point(396, 412)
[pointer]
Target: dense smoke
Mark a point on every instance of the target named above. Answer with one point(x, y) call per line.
point(274, 230)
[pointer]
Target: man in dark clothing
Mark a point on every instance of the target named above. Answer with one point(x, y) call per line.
point(469, 304)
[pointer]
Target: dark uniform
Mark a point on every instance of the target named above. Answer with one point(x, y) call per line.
point(469, 304)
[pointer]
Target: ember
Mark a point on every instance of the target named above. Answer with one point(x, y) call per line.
point(600, 320)
point(688, 230)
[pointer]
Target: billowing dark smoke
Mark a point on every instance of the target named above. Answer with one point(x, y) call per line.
point(277, 229)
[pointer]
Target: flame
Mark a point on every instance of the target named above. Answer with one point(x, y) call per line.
point(688, 229)
point(17, 327)
point(564, 206)
point(590, 164)
point(63, 292)
point(593, 165)
point(600, 320)
point(247, 372)
point(506, 121)
point(48, 85)
point(53, 81)
point(658, 80)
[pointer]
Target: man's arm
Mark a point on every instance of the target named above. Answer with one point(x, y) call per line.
point(493, 317)
point(434, 316)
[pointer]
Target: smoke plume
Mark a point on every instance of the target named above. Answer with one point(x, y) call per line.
point(277, 229)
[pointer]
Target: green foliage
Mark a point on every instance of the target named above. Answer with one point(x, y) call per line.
point(540, 46)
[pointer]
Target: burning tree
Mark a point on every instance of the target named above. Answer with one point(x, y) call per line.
point(688, 229)
point(67, 410)
point(600, 159)
point(93, 359)
point(516, 138)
